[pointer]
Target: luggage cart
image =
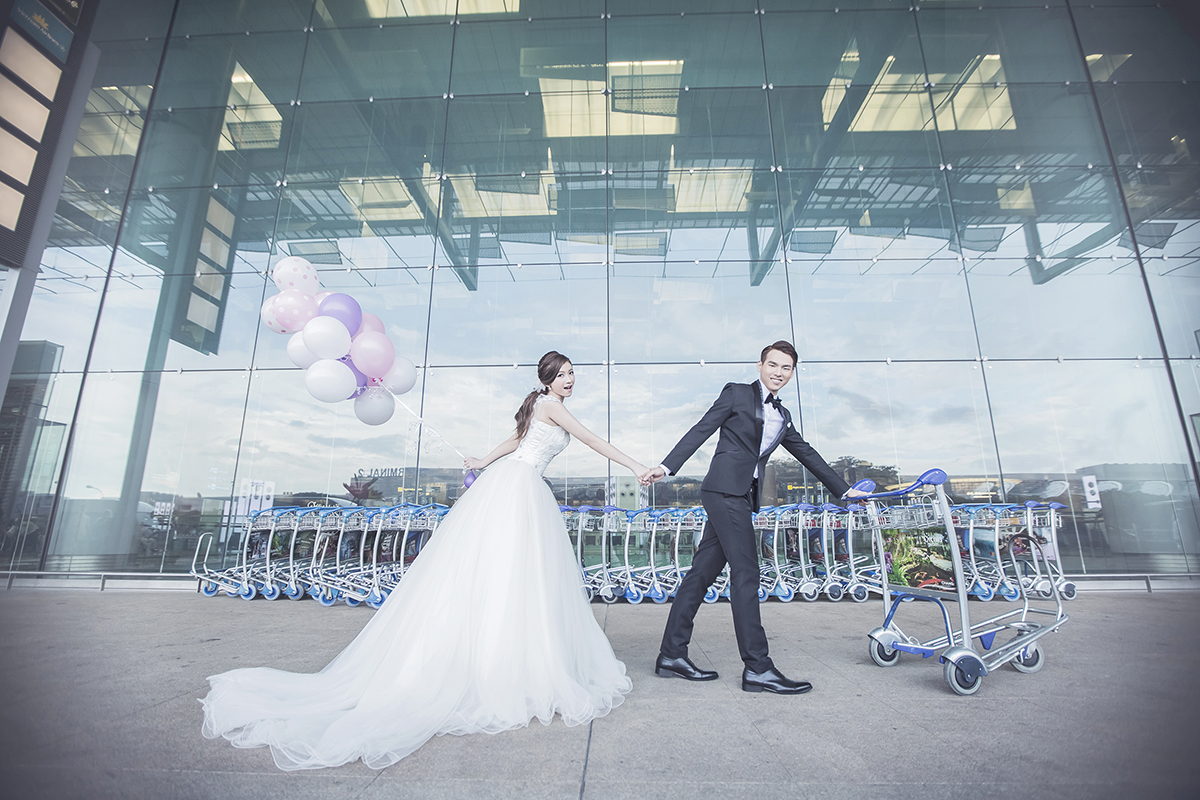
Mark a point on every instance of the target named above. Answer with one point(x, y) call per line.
point(923, 562)
point(1042, 523)
point(254, 569)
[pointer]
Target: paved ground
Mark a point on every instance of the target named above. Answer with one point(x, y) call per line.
point(101, 692)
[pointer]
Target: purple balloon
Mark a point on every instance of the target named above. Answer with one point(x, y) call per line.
point(468, 479)
point(358, 376)
point(344, 308)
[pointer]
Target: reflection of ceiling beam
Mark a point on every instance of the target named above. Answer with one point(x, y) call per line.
point(871, 60)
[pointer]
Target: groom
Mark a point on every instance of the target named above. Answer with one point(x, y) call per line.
point(753, 422)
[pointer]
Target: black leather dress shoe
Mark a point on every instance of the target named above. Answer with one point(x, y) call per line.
point(682, 668)
point(772, 681)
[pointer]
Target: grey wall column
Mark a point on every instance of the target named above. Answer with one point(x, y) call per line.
point(19, 288)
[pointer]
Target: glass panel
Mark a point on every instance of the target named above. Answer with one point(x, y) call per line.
point(115, 20)
point(37, 412)
point(1022, 124)
point(636, 8)
point(725, 129)
point(884, 126)
point(201, 71)
point(877, 49)
point(1024, 45)
point(150, 471)
point(508, 135)
point(1151, 123)
point(1163, 204)
point(389, 139)
point(516, 314)
point(245, 145)
point(66, 297)
point(379, 62)
point(546, 55)
point(858, 220)
point(352, 13)
point(650, 56)
point(187, 283)
point(235, 16)
point(1137, 44)
point(1060, 425)
point(684, 312)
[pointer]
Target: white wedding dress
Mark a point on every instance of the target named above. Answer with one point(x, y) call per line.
point(488, 629)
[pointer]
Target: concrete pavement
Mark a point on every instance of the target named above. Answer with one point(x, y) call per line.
point(101, 692)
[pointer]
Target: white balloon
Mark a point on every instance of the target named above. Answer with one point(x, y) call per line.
point(375, 406)
point(300, 355)
point(330, 381)
point(326, 337)
point(401, 377)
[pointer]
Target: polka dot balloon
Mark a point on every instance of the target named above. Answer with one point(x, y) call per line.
point(267, 315)
point(295, 273)
point(293, 309)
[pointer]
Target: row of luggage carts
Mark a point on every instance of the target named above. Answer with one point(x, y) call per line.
point(904, 545)
point(353, 554)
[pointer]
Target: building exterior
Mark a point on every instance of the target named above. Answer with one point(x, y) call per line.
point(978, 222)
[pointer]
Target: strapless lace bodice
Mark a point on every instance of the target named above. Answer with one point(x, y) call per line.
point(542, 442)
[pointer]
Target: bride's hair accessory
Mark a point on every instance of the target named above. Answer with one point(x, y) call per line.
point(548, 367)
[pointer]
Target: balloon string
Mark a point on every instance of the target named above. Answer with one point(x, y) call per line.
point(429, 427)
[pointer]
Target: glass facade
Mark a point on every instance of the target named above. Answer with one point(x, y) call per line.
point(979, 222)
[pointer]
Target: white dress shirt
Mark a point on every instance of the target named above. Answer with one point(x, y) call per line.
point(772, 427)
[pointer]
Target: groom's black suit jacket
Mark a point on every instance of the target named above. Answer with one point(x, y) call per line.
point(738, 413)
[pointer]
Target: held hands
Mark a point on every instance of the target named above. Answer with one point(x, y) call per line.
point(652, 476)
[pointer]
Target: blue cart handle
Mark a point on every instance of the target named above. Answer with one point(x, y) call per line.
point(865, 485)
point(933, 477)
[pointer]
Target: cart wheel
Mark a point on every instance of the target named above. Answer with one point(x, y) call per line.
point(884, 656)
point(270, 591)
point(589, 593)
point(294, 593)
point(786, 594)
point(353, 602)
point(959, 681)
point(1044, 589)
point(858, 593)
point(209, 589)
point(984, 591)
point(834, 592)
point(327, 597)
point(763, 594)
point(248, 592)
point(609, 595)
point(1008, 592)
point(1032, 660)
point(1067, 590)
point(375, 600)
point(634, 595)
point(810, 592)
point(712, 595)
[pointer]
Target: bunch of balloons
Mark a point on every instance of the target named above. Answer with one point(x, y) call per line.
point(344, 351)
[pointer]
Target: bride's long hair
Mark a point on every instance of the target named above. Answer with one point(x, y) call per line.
point(548, 367)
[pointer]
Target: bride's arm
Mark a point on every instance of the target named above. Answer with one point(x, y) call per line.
point(558, 413)
point(502, 449)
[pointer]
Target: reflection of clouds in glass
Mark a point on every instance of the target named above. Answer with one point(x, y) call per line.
point(913, 416)
point(1062, 417)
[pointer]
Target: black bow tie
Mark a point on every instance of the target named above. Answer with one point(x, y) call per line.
point(773, 400)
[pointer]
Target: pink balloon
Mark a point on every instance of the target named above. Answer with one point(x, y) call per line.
point(267, 315)
point(293, 309)
point(373, 353)
point(370, 322)
point(296, 273)
point(319, 296)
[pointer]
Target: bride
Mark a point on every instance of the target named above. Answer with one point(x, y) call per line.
point(489, 628)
